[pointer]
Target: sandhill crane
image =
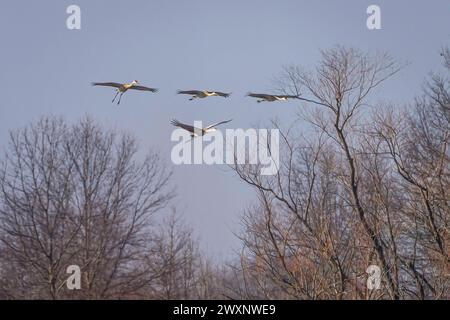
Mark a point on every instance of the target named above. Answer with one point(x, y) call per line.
point(203, 94)
point(271, 97)
point(196, 132)
point(124, 87)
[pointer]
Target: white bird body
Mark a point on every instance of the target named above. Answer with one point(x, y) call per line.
point(127, 86)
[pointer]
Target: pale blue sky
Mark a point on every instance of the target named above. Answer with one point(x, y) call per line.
point(232, 45)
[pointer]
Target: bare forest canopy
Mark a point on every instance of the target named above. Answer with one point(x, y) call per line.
point(369, 185)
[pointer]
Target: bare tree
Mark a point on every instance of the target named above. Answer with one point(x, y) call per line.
point(353, 189)
point(176, 255)
point(77, 195)
point(317, 232)
point(417, 143)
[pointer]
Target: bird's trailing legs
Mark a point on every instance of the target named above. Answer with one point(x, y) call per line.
point(115, 96)
point(120, 98)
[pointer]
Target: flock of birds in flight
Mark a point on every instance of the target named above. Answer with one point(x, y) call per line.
point(121, 88)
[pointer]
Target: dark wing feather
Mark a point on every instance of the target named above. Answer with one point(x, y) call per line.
point(260, 95)
point(191, 92)
point(107, 84)
point(186, 127)
point(142, 88)
point(223, 94)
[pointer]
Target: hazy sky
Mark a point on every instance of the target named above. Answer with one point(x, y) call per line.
point(232, 45)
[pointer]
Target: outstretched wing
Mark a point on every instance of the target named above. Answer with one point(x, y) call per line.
point(190, 92)
point(217, 124)
point(142, 88)
point(186, 127)
point(107, 84)
point(260, 95)
point(222, 94)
